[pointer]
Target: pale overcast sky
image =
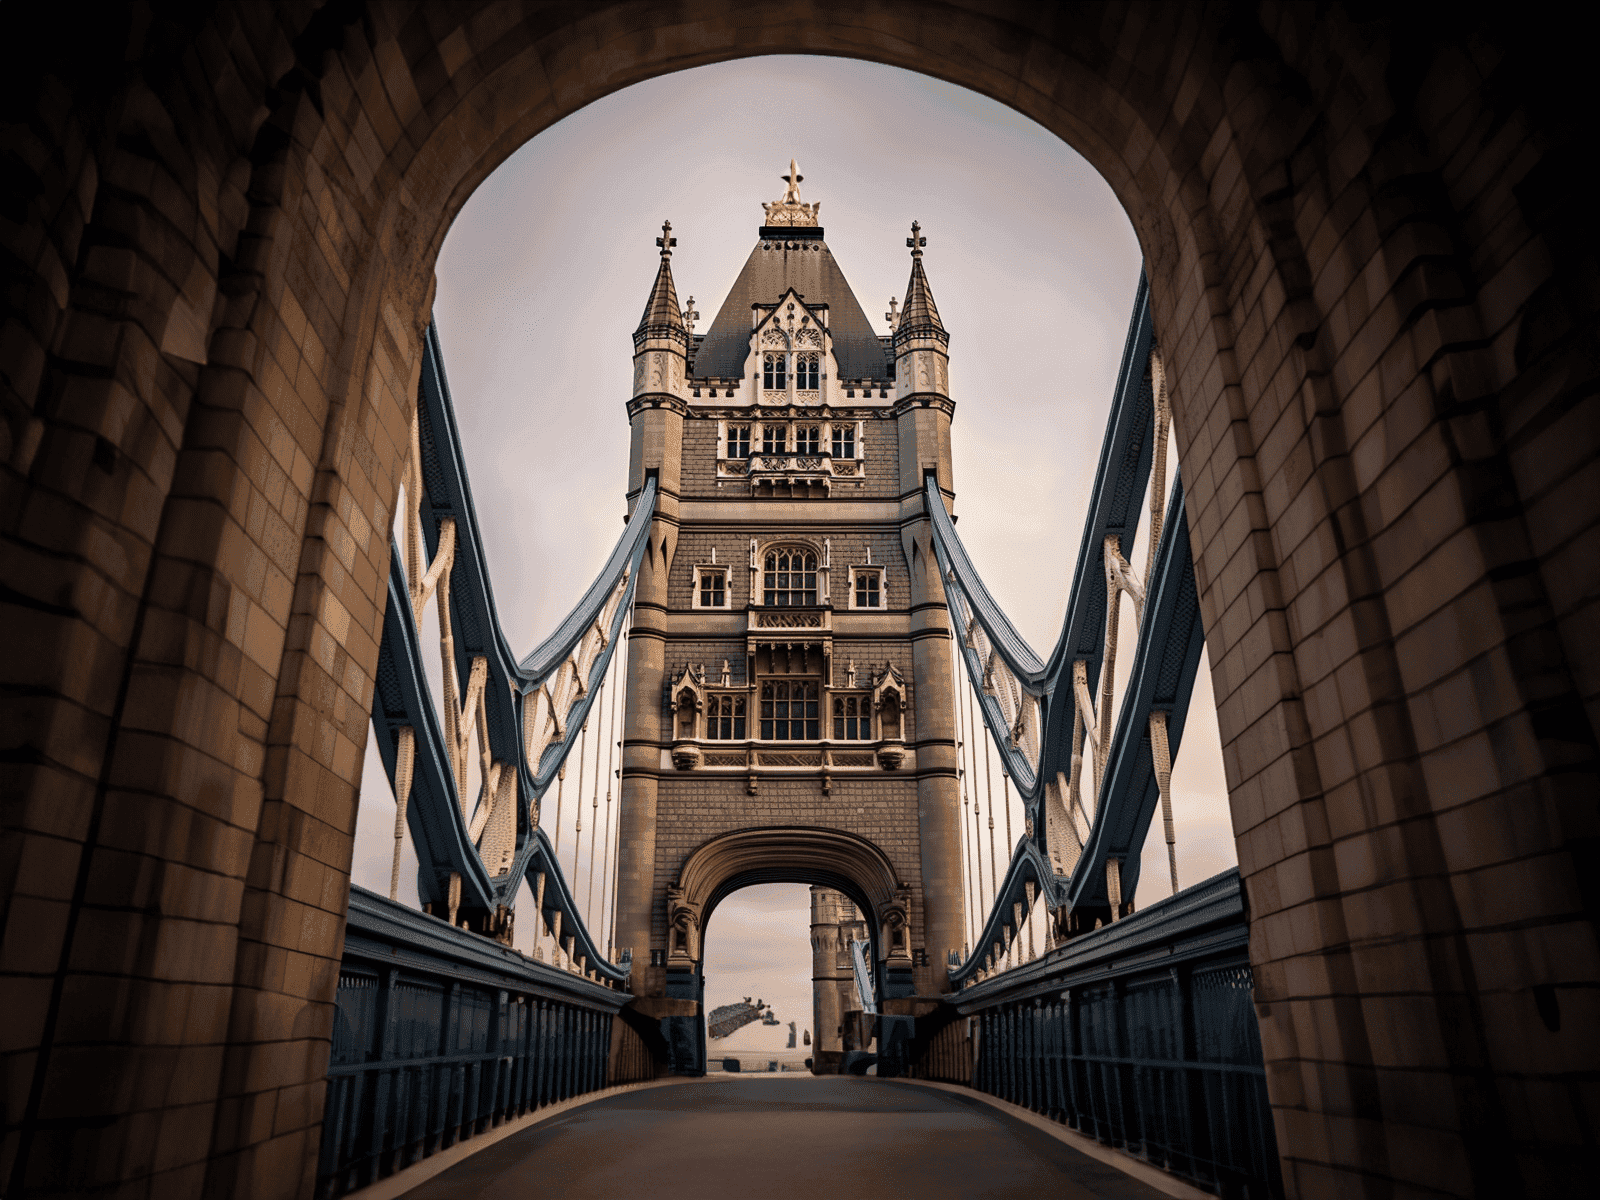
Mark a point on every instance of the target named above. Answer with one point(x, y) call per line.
point(1032, 262)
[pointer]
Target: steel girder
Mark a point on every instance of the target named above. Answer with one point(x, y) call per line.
point(436, 815)
point(1166, 660)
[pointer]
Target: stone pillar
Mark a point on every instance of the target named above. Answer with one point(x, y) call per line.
point(925, 446)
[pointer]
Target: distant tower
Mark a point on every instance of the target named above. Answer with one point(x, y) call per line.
point(835, 923)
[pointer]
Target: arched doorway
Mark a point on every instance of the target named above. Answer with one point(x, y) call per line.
point(844, 862)
point(226, 264)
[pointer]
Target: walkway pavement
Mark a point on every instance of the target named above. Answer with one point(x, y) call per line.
point(790, 1138)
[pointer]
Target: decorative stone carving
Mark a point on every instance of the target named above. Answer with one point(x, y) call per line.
point(688, 701)
point(790, 210)
point(843, 758)
point(894, 920)
point(788, 620)
point(778, 758)
point(683, 929)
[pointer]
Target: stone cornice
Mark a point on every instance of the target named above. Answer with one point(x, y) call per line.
point(649, 400)
point(924, 400)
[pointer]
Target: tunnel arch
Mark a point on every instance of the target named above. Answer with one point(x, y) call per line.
point(225, 263)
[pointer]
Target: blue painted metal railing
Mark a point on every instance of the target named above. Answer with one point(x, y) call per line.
point(1141, 1034)
point(440, 1035)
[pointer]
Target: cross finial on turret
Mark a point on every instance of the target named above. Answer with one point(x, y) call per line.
point(915, 241)
point(891, 316)
point(690, 316)
point(666, 241)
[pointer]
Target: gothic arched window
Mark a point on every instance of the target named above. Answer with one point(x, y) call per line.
point(806, 373)
point(791, 578)
point(775, 373)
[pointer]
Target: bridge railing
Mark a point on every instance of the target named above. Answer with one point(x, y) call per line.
point(1141, 1035)
point(441, 1035)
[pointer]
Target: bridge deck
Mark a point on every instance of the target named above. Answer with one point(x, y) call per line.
point(794, 1137)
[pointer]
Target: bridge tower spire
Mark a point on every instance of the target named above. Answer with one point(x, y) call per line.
point(921, 344)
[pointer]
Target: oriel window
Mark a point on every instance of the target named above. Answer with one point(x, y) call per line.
point(738, 441)
point(808, 439)
point(725, 718)
point(713, 589)
point(844, 441)
point(774, 439)
point(789, 712)
point(790, 580)
point(775, 372)
point(852, 719)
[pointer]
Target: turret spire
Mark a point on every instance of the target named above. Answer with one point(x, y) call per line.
point(919, 313)
point(662, 307)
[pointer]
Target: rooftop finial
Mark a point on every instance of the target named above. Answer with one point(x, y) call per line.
point(666, 241)
point(791, 210)
point(689, 318)
point(915, 241)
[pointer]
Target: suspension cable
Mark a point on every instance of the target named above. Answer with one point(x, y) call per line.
point(624, 651)
point(1005, 784)
point(988, 783)
point(969, 785)
point(611, 736)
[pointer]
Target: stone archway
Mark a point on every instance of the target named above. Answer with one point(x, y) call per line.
point(722, 865)
point(1373, 285)
point(832, 858)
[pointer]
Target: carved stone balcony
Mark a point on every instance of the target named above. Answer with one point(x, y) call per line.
point(802, 474)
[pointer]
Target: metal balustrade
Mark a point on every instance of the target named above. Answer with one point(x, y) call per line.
point(1141, 1035)
point(441, 1034)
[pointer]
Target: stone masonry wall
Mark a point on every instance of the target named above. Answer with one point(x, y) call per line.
point(693, 808)
point(878, 450)
point(733, 550)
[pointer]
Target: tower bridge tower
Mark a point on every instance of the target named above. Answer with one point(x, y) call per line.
point(790, 710)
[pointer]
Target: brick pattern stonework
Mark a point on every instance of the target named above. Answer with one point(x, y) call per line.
point(850, 548)
point(1372, 280)
point(879, 453)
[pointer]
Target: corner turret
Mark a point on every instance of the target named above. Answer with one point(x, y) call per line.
point(661, 342)
point(921, 345)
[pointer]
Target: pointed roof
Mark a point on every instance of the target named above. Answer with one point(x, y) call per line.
point(920, 313)
point(798, 259)
point(662, 307)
